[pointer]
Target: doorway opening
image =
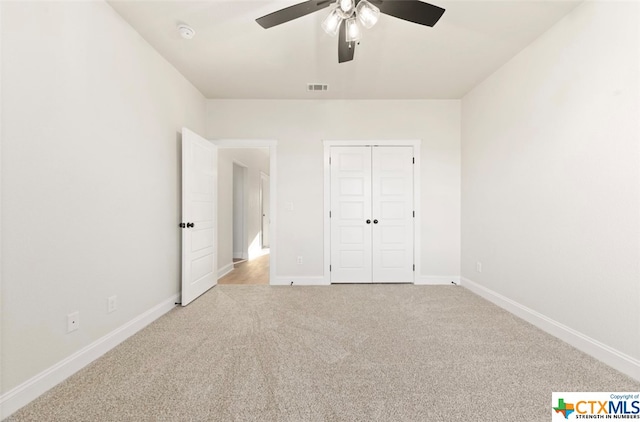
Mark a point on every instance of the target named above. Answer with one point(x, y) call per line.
point(246, 182)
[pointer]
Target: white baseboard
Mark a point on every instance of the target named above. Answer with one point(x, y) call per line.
point(225, 270)
point(437, 280)
point(29, 390)
point(320, 281)
point(606, 354)
point(299, 281)
point(240, 255)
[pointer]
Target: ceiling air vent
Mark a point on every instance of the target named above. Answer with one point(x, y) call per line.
point(317, 87)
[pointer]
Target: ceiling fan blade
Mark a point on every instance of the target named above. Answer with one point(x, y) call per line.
point(411, 10)
point(346, 50)
point(292, 12)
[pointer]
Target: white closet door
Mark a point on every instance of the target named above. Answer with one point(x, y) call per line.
point(392, 212)
point(350, 209)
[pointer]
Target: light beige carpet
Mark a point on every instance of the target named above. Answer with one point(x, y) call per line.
point(338, 353)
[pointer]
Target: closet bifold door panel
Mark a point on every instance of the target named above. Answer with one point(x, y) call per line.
point(392, 208)
point(372, 219)
point(350, 211)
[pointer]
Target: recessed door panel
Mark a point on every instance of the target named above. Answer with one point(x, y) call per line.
point(390, 186)
point(392, 210)
point(351, 162)
point(352, 259)
point(201, 239)
point(202, 210)
point(351, 210)
point(392, 259)
point(352, 235)
point(201, 268)
point(390, 235)
point(351, 186)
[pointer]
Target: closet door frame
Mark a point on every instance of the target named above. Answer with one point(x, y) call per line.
point(327, 197)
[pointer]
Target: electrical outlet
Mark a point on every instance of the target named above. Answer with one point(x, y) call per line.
point(112, 304)
point(479, 266)
point(73, 321)
point(299, 260)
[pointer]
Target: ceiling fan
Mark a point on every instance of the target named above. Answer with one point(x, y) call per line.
point(346, 16)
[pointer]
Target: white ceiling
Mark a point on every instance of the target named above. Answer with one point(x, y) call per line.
point(231, 56)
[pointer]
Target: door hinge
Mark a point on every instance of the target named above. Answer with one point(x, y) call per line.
point(329, 214)
point(413, 160)
point(329, 160)
point(329, 268)
point(414, 267)
point(414, 214)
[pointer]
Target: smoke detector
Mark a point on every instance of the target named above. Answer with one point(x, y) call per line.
point(186, 31)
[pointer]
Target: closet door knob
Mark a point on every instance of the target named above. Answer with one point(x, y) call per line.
point(375, 221)
point(190, 225)
point(368, 221)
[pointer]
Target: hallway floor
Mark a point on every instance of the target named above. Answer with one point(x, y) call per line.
point(255, 271)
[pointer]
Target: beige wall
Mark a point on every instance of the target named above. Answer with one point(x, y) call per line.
point(301, 126)
point(90, 178)
point(550, 176)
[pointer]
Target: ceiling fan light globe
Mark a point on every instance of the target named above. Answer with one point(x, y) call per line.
point(347, 6)
point(331, 23)
point(367, 14)
point(353, 30)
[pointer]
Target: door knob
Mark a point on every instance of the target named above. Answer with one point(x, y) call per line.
point(182, 225)
point(375, 221)
point(368, 221)
point(190, 225)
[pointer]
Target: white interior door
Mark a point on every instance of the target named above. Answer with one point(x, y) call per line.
point(372, 214)
point(392, 205)
point(350, 211)
point(264, 203)
point(199, 183)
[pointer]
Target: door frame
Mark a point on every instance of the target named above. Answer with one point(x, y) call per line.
point(327, 197)
point(273, 148)
point(263, 177)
